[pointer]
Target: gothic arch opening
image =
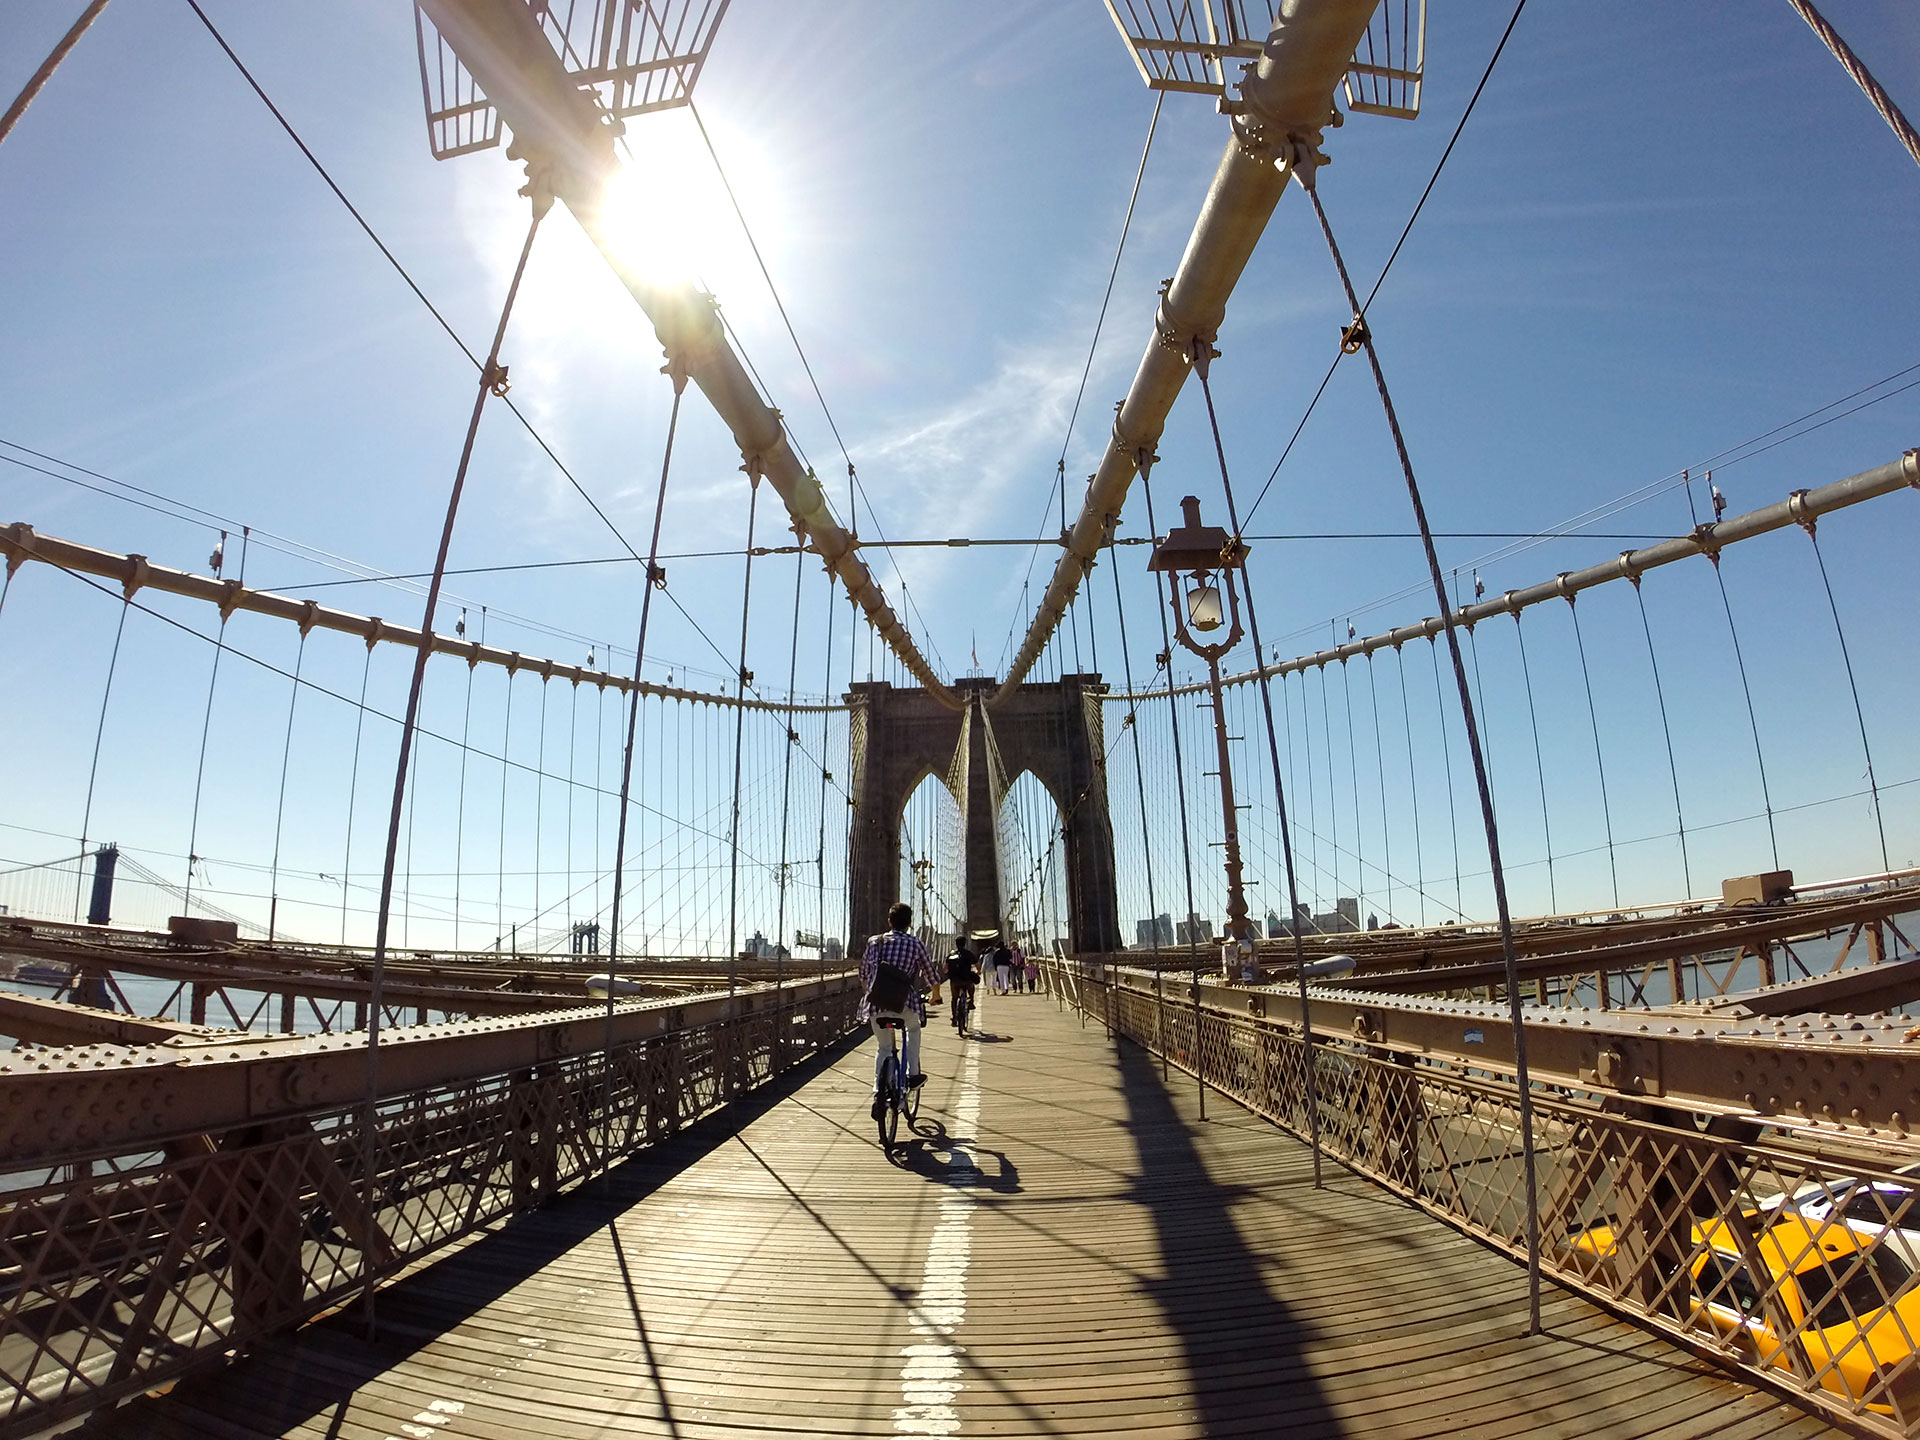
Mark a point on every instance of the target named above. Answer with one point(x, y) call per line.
point(933, 862)
point(1033, 873)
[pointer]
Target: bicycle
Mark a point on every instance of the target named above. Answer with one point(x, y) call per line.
point(962, 1007)
point(897, 1098)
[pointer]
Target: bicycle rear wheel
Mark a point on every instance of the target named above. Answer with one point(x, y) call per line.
point(911, 1099)
point(889, 1118)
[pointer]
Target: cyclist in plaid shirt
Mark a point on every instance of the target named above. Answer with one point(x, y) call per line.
point(897, 949)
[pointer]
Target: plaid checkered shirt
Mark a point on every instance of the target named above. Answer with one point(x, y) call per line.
point(898, 950)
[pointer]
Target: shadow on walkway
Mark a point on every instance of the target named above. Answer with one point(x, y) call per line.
point(1244, 1349)
point(293, 1379)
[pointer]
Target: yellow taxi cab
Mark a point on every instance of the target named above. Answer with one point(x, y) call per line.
point(1847, 1299)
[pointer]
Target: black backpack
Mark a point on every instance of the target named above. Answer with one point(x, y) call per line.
point(891, 988)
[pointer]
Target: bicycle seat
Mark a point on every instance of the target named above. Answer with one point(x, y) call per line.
point(890, 1020)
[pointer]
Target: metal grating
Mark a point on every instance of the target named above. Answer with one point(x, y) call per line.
point(635, 56)
point(1188, 46)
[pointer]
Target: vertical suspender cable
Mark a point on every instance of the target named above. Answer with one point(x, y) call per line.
point(1359, 833)
point(280, 806)
point(1666, 730)
point(1203, 363)
point(1746, 689)
point(1380, 764)
point(460, 805)
point(599, 791)
point(1539, 766)
point(99, 731)
point(1313, 793)
point(655, 579)
point(353, 787)
point(1144, 461)
point(826, 741)
point(573, 746)
point(1333, 802)
point(206, 724)
point(1446, 752)
point(739, 735)
point(493, 381)
point(539, 809)
point(1358, 336)
point(1599, 760)
point(506, 769)
point(1846, 657)
point(1146, 834)
point(1413, 788)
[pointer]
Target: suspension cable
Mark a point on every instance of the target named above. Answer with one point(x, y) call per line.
point(1852, 64)
point(1746, 690)
point(1859, 715)
point(1380, 763)
point(460, 804)
point(1446, 755)
point(1353, 775)
point(820, 854)
point(37, 82)
point(1140, 787)
point(206, 726)
point(353, 787)
point(506, 769)
point(1333, 801)
point(539, 811)
point(1599, 759)
point(493, 380)
point(677, 374)
point(1144, 461)
point(1203, 358)
point(1413, 787)
point(1666, 731)
point(99, 731)
point(1539, 765)
point(1359, 334)
point(786, 783)
point(739, 736)
point(280, 806)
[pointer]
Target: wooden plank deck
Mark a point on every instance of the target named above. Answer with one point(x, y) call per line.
point(1069, 1252)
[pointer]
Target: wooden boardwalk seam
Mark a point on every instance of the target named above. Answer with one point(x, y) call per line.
point(1066, 1251)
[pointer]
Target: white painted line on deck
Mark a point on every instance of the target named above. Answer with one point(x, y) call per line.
point(930, 1378)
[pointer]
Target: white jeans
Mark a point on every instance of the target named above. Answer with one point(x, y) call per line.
point(910, 1044)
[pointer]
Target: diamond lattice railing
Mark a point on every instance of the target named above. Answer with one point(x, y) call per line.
point(120, 1271)
point(1757, 1245)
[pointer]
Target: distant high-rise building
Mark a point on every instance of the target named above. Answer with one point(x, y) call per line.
point(1144, 931)
point(1193, 931)
point(1274, 928)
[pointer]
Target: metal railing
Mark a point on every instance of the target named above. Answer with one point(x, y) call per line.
point(1785, 1251)
point(129, 1261)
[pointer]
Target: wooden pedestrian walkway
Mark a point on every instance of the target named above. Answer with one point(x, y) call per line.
point(1069, 1251)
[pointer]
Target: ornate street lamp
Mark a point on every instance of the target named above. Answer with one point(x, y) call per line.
point(1191, 556)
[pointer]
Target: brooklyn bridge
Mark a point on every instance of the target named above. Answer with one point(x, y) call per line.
point(471, 679)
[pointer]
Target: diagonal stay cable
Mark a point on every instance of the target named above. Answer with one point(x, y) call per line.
point(1361, 338)
point(1405, 231)
point(1086, 371)
point(401, 271)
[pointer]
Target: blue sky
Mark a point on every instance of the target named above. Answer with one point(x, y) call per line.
point(1664, 232)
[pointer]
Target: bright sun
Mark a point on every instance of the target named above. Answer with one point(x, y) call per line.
point(666, 213)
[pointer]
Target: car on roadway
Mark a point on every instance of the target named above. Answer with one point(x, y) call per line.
point(1846, 1302)
point(1888, 1210)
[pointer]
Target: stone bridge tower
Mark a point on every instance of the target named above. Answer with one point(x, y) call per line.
point(901, 736)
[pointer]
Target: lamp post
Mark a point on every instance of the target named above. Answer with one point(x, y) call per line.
point(923, 882)
point(1191, 556)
